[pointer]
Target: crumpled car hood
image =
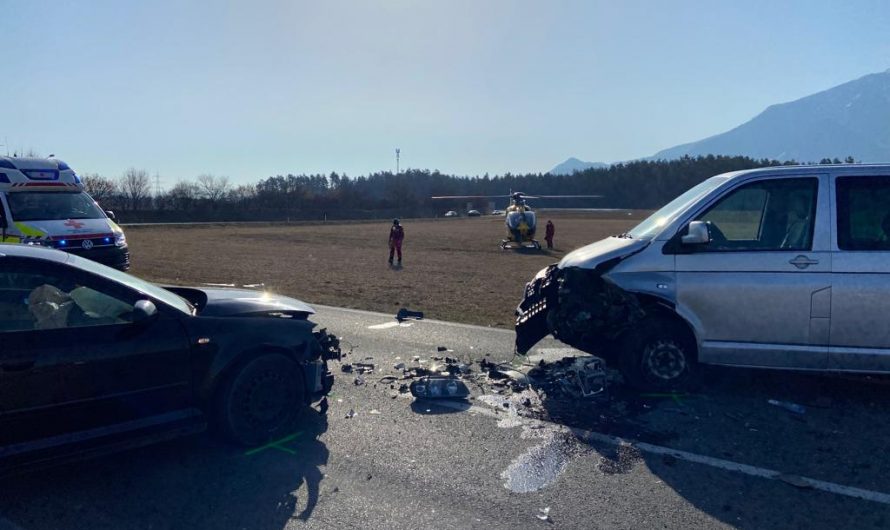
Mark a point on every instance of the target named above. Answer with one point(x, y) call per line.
point(590, 256)
point(235, 302)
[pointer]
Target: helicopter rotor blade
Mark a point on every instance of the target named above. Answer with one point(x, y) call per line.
point(568, 197)
point(469, 197)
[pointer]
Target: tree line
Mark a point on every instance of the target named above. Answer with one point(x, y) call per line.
point(641, 184)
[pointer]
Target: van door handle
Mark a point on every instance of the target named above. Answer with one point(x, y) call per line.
point(17, 366)
point(802, 262)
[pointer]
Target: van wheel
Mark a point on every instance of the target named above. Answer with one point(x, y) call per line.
point(659, 355)
point(261, 401)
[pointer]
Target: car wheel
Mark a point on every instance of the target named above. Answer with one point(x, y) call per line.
point(659, 354)
point(262, 400)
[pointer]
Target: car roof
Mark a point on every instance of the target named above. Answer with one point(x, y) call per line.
point(18, 250)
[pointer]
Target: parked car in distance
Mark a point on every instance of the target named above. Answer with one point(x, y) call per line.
point(43, 202)
point(784, 268)
point(473, 213)
point(450, 213)
point(93, 359)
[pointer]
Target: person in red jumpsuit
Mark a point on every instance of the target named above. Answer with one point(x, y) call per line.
point(548, 235)
point(396, 235)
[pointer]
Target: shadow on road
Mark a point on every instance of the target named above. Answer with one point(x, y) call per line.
point(430, 407)
point(838, 439)
point(196, 482)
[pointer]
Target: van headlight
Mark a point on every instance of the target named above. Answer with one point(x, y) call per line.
point(120, 240)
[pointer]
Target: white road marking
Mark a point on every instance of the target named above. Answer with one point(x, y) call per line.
point(719, 463)
point(392, 316)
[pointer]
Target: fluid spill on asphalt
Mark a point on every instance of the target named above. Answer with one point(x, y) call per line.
point(543, 463)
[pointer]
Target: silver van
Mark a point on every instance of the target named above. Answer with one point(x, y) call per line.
point(785, 268)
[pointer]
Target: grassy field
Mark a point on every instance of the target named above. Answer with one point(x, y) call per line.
point(452, 269)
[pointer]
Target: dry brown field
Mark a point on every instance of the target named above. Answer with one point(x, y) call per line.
point(452, 269)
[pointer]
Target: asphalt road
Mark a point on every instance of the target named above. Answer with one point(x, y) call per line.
point(720, 457)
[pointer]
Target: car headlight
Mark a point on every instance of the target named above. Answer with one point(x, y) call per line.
point(120, 240)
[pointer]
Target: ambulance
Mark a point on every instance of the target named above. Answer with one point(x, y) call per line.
point(43, 202)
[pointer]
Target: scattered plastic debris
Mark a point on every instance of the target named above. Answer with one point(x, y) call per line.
point(789, 406)
point(442, 387)
point(359, 380)
point(405, 314)
point(576, 377)
point(363, 368)
point(351, 414)
point(374, 411)
point(544, 514)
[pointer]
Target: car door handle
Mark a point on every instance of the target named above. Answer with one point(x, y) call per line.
point(17, 366)
point(802, 262)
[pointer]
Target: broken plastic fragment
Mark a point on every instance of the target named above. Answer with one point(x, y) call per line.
point(544, 514)
point(351, 414)
point(439, 387)
point(405, 314)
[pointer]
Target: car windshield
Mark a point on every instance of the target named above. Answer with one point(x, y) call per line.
point(52, 206)
point(150, 289)
point(655, 222)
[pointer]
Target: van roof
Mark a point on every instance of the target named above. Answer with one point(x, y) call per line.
point(37, 174)
point(834, 169)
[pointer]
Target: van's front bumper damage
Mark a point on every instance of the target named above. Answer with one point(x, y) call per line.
point(578, 306)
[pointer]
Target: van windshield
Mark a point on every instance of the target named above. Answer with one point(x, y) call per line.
point(650, 227)
point(52, 206)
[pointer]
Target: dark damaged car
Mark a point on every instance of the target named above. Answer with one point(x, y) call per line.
point(94, 360)
point(782, 268)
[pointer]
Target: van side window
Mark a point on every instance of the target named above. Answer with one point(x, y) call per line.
point(863, 213)
point(769, 215)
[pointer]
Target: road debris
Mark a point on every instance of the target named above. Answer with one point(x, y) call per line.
point(439, 387)
point(351, 414)
point(359, 380)
point(405, 314)
point(789, 406)
point(544, 514)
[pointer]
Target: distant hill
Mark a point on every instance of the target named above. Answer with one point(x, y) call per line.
point(573, 164)
point(850, 119)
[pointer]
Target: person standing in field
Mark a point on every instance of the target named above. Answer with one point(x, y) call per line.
point(396, 235)
point(548, 234)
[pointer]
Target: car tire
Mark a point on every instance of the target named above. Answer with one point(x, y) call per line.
point(261, 401)
point(659, 354)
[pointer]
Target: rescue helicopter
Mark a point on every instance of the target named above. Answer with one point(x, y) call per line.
point(519, 219)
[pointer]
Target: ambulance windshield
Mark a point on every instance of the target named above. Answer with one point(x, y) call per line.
point(52, 206)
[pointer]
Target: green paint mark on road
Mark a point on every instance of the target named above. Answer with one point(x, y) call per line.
point(277, 444)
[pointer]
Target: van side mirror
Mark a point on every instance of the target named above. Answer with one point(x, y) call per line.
point(111, 215)
point(143, 311)
point(697, 234)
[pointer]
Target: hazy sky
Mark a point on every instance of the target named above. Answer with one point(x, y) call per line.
point(255, 88)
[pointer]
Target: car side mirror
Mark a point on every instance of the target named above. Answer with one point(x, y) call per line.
point(143, 311)
point(111, 215)
point(697, 234)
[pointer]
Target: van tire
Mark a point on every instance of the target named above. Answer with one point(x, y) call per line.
point(262, 400)
point(659, 354)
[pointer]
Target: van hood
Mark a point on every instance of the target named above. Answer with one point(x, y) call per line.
point(68, 227)
point(592, 255)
